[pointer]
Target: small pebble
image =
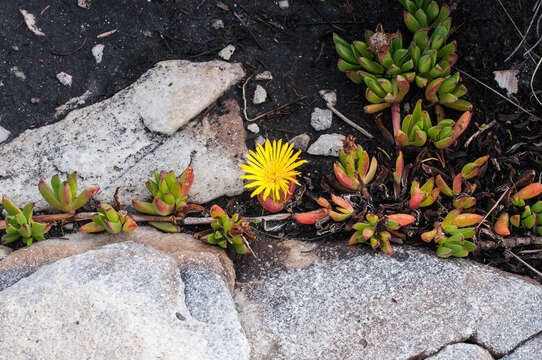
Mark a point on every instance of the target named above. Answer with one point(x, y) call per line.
point(260, 95)
point(65, 79)
point(266, 75)
point(300, 142)
point(217, 24)
point(35, 100)
point(98, 52)
point(284, 4)
point(4, 134)
point(227, 52)
point(68, 226)
point(327, 145)
point(18, 73)
point(329, 96)
point(259, 140)
point(85, 4)
point(321, 119)
point(4, 251)
point(254, 128)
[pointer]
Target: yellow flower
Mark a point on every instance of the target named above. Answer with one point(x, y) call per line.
point(272, 169)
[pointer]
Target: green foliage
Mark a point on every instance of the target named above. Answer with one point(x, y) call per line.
point(226, 230)
point(63, 195)
point(19, 224)
point(110, 220)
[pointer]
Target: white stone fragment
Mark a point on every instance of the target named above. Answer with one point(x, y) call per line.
point(217, 24)
point(284, 4)
point(30, 21)
point(254, 128)
point(4, 134)
point(260, 140)
point(85, 4)
point(329, 96)
point(508, 80)
point(300, 142)
point(321, 119)
point(227, 52)
point(98, 52)
point(64, 78)
point(260, 95)
point(265, 75)
point(327, 145)
point(17, 72)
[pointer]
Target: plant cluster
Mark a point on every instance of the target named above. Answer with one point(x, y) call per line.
point(386, 68)
point(19, 224)
point(530, 218)
point(227, 230)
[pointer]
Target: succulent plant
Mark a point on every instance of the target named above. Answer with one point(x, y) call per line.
point(169, 193)
point(528, 192)
point(423, 196)
point(377, 230)
point(381, 63)
point(345, 211)
point(501, 226)
point(62, 196)
point(432, 56)
point(472, 169)
point(110, 220)
point(226, 230)
point(417, 128)
point(530, 218)
point(421, 14)
point(354, 170)
point(452, 232)
point(19, 224)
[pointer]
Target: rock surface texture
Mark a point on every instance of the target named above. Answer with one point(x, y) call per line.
point(109, 144)
point(122, 301)
point(462, 351)
point(371, 306)
point(530, 350)
point(182, 247)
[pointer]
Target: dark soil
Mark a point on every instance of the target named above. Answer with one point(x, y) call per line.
point(295, 45)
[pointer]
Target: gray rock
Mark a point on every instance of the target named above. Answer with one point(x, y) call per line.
point(4, 252)
point(122, 301)
point(253, 128)
point(371, 306)
point(108, 145)
point(4, 134)
point(462, 351)
point(327, 145)
point(260, 95)
point(173, 92)
point(182, 247)
point(321, 119)
point(300, 141)
point(530, 350)
point(227, 52)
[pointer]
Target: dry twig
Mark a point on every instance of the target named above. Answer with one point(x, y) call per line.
point(480, 130)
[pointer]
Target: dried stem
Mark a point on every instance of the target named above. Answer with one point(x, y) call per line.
point(350, 122)
point(66, 218)
point(510, 242)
